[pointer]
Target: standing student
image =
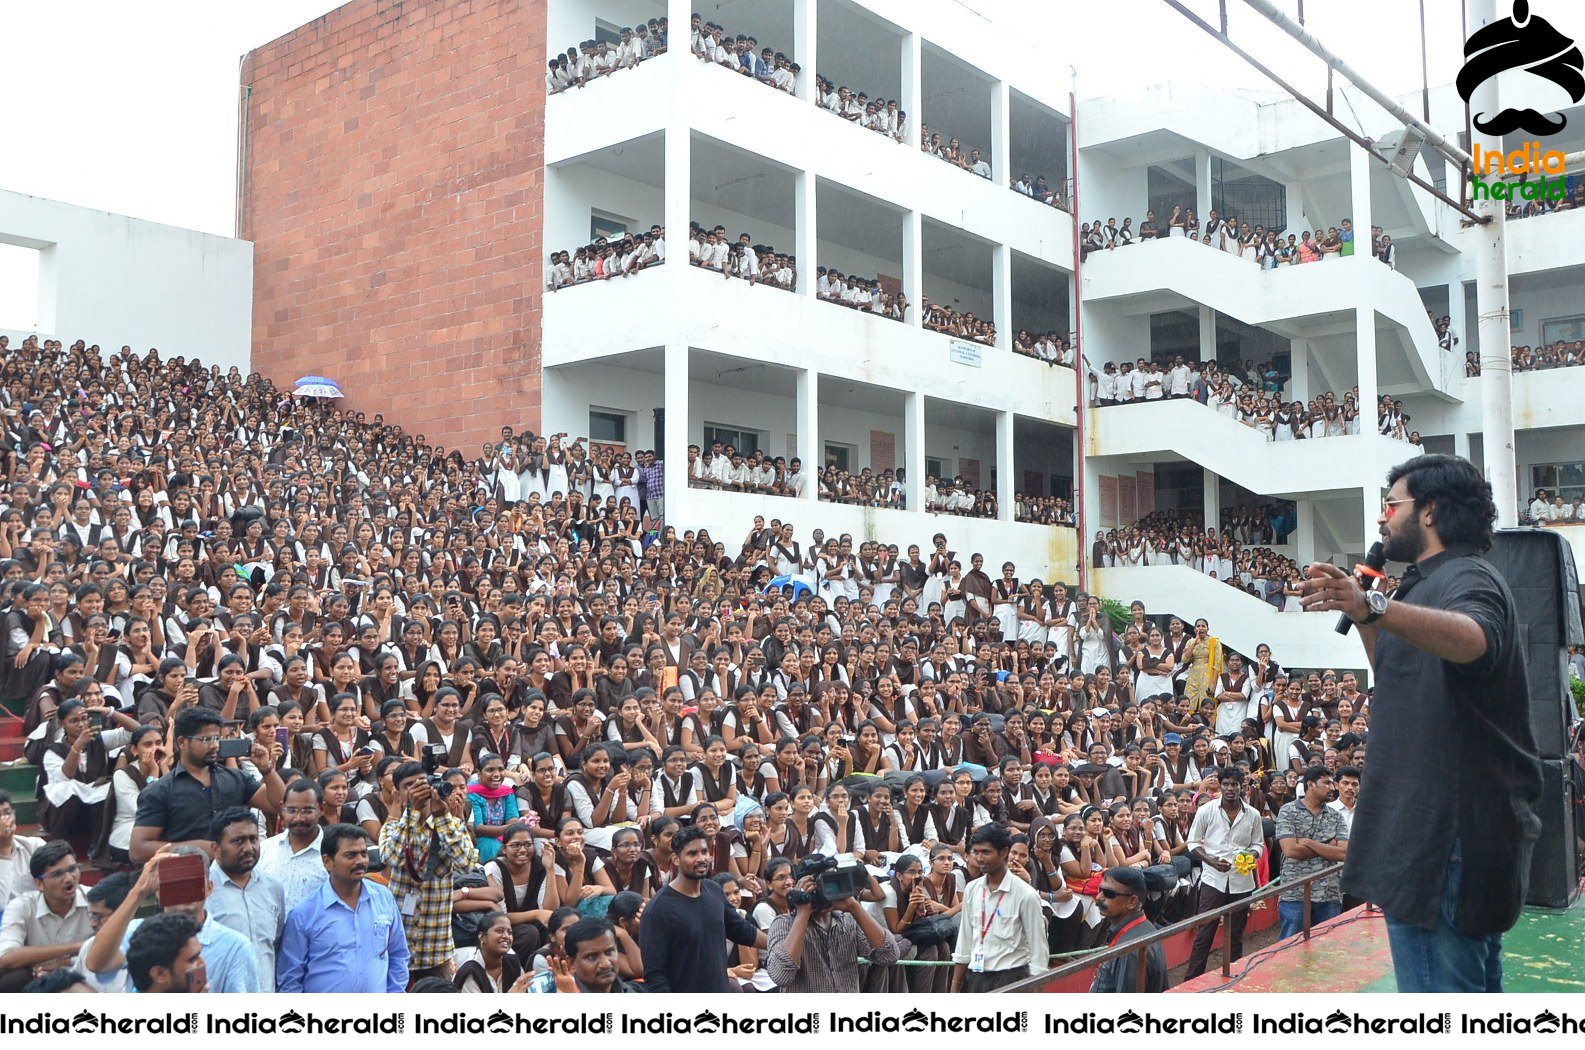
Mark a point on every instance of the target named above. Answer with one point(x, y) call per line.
point(687, 924)
point(1002, 928)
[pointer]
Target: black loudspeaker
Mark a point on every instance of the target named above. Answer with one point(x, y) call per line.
point(1554, 869)
point(1538, 566)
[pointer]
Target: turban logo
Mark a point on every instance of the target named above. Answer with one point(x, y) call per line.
point(1528, 43)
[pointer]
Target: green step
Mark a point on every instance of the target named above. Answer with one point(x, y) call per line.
point(27, 810)
point(20, 779)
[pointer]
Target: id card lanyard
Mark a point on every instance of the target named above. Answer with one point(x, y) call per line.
point(977, 961)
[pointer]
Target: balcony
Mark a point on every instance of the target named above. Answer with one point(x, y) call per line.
point(1291, 300)
point(608, 318)
point(1320, 468)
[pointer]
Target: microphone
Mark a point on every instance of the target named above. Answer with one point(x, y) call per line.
point(1375, 561)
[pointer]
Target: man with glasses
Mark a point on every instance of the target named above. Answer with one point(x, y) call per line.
point(181, 806)
point(1122, 902)
point(292, 858)
point(45, 927)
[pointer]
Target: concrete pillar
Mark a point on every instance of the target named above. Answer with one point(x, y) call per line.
point(1299, 358)
point(805, 38)
point(1202, 186)
point(1001, 132)
point(1459, 323)
point(1304, 535)
point(679, 188)
point(678, 17)
point(1005, 477)
point(1002, 294)
point(677, 425)
point(804, 237)
point(808, 415)
point(913, 97)
point(1207, 334)
point(914, 449)
point(914, 266)
point(1213, 498)
point(1461, 443)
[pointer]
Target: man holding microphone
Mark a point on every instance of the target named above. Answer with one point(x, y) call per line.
point(1446, 821)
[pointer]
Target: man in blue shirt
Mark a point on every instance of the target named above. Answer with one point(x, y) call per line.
point(347, 936)
point(227, 955)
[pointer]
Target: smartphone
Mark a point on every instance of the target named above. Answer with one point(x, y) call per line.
point(191, 683)
point(239, 747)
point(283, 736)
point(182, 880)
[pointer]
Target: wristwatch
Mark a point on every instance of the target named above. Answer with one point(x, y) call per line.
point(1378, 607)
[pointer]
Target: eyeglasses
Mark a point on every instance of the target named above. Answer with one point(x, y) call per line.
point(1389, 507)
point(298, 811)
point(204, 741)
point(61, 873)
point(1111, 894)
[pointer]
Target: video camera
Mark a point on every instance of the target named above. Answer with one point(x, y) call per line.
point(433, 759)
point(836, 879)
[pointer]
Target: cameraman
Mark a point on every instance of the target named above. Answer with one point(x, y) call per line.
point(424, 847)
point(816, 948)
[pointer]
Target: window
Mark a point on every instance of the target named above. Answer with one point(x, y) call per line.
point(1563, 329)
point(611, 227)
point(606, 32)
point(839, 456)
point(743, 440)
point(1559, 479)
point(934, 467)
point(607, 428)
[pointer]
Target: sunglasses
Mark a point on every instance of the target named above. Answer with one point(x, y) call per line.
point(1111, 894)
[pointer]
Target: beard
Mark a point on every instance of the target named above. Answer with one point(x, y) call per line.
point(1405, 545)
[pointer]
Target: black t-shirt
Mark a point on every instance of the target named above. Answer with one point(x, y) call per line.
point(184, 809)
point(1452, 759)
point(683, 939)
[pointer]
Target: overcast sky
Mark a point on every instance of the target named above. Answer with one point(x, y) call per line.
point(132, 107)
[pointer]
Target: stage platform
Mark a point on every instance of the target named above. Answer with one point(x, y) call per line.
point(1544, 952)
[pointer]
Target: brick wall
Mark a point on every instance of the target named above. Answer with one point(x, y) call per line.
point(392, 186)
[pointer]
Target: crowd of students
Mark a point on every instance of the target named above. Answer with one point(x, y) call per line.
point(1050, 347)
point(861, 293)
point(1265, 247)
point(1572, 199)
point(713, 249)
point(1237, 554)
point(1561, 354)
point(710, 42)
point(968, 159)
point(938, 317)
point(593, 59)
point(1041, 190)
point(603, 259)
point(474, 701)
point(880, 115)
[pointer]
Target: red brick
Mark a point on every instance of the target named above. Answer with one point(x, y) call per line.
point(387, 143)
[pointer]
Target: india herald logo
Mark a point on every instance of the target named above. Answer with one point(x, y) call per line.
point(1527, 42)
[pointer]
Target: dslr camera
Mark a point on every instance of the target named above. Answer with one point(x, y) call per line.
point(433, 759)
point(836, 879)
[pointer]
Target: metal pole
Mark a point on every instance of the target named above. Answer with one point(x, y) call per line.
point(1491, 305)
point(1281, 20)
point(1306, 910)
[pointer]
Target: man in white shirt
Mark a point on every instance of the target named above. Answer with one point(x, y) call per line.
point(1106, 385)
point(1002, 928)
point(1180, 378)
point(292, 858)
point(796, 478)
point(978, 166)
point(1219, 834)
point(1541, 507)
point(16, 851)
point(1347, 794)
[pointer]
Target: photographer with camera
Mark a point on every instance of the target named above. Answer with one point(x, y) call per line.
point(424, 848)
point(816, 948)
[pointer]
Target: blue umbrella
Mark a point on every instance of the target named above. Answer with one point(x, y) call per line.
point(790, 581)
point(317, 386)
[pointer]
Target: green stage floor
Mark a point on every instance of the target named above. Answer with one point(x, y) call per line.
point(1544, 952)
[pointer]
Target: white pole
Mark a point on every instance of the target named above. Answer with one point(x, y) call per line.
point(1491, 305)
